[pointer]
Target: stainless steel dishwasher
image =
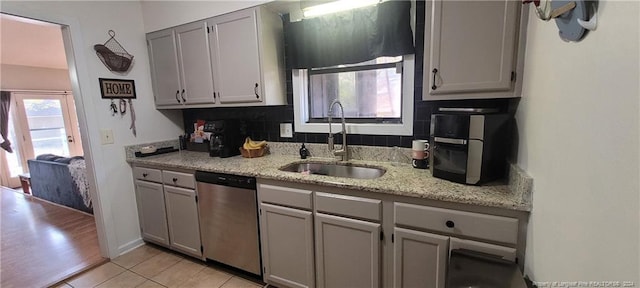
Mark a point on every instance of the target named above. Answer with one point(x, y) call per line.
point(228, 212)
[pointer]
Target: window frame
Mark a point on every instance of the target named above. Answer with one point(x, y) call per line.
point(404, 128)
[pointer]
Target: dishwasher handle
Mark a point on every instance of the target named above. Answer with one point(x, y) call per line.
point(226, 180)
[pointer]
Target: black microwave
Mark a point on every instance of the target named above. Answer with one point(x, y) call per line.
point(469, 147)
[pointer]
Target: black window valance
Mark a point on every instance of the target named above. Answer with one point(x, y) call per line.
point(352, 36)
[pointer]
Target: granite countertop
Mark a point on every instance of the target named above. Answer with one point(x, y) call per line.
point(399, 179)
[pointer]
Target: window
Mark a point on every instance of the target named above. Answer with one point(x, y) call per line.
point(371, 92)
point(377, 91)
point(377, 96)
point(46, 126)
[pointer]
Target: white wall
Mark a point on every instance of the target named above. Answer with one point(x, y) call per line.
point(89, 22)
point(579, 139)
point(159, 15)
point(18, 77)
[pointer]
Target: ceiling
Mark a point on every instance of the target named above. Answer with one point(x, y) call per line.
point(32, 43)
point(28, 42)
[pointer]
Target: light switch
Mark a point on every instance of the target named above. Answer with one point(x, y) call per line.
point(106, 136)
point(286, 130)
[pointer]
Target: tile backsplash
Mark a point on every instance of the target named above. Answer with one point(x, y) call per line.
point(263, 123)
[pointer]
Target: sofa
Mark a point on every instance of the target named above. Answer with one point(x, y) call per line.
point(61, 180)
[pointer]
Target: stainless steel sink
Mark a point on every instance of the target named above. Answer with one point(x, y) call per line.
point(345, 170)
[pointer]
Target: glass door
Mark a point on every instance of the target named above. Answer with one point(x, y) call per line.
point(39, 124)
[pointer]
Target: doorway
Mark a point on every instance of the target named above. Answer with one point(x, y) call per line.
point(43, 120)
point(39, 123)
point(35, 72)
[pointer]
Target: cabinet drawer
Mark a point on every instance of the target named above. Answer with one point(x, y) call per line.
point(297, 198)
point(505, 253)
point(363, 208)
point(147, 174)
point(178, 179)
point(481, 226)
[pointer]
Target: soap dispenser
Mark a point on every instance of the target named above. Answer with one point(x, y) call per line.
point(303, 152)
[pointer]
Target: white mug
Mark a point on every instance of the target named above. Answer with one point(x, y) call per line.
point(419, 149)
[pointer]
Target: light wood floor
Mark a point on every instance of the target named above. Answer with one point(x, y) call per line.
point(43, 243)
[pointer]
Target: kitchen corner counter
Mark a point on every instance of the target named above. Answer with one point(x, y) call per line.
point(400, 179)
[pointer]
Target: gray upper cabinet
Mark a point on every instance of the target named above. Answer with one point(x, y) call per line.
point(420, 259)
point(248, 58)
point(471, 49)
point(347, 252)
point(164, 67)
point(180, 66)
point(193, 56)
point(236, 59)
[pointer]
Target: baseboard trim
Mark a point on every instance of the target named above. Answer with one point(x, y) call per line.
point(127, 247)
point(31, 196)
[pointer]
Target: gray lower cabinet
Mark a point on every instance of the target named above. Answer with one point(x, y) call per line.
point(151, 212)
point(182, 216)
point(347, 252)
point(168, 209)
point(420, 259)
point(343, 231)
point(287, 246)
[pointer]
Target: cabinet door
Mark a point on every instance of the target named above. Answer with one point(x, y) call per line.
point(195, 65)
point(347, 252)
point(287, 246)
point(164, 67)
point(182, 213)
point(236, 58)
point(151, 212)
point(420, 259)
point(472, 45)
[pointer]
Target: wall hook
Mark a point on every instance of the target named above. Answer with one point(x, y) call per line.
point(592, 23)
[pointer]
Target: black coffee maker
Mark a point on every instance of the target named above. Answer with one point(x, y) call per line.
point(226, 138)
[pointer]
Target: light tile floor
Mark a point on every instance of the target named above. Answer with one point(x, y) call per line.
point(148, 266)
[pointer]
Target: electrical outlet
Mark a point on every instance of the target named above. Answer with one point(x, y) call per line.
point(286, 130)
point(106, 136)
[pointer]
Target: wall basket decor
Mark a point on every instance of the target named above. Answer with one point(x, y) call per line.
point(113, 55)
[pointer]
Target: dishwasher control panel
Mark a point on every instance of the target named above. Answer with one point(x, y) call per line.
point(226, 180)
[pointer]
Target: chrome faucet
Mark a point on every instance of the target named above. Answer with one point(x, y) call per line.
point(343, 153)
